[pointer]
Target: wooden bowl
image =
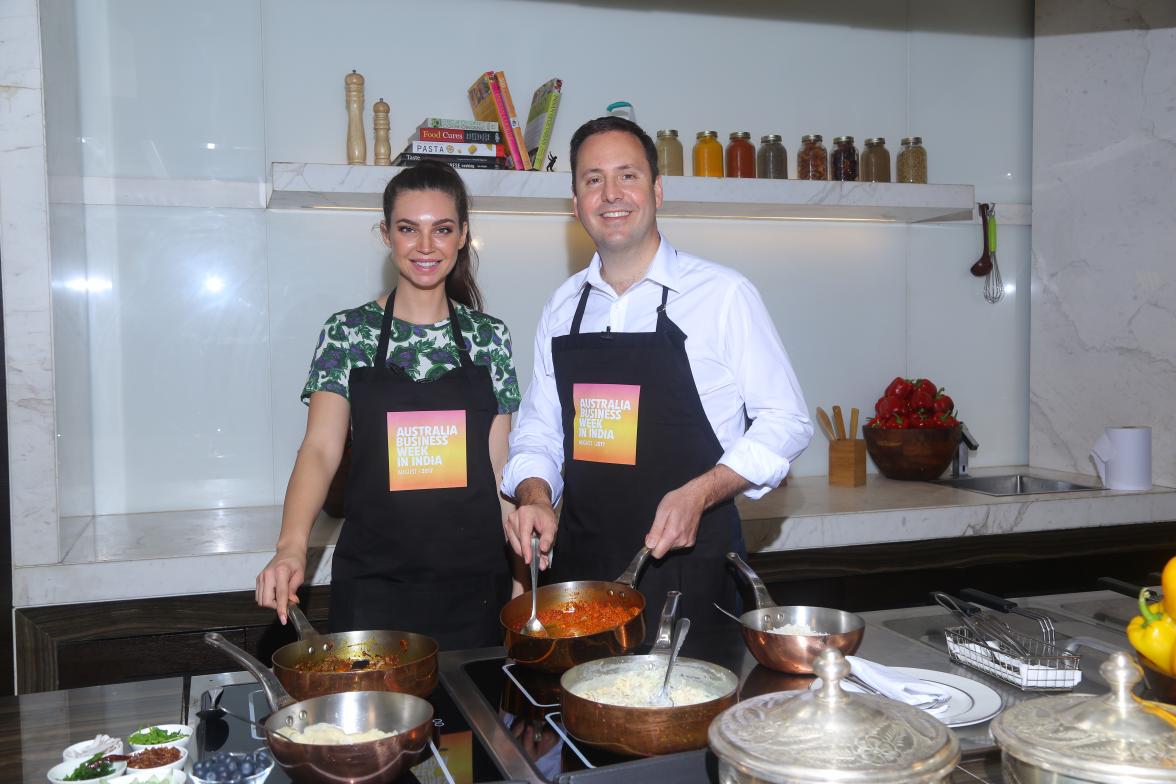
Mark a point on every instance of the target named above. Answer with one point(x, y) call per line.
point(918, 455)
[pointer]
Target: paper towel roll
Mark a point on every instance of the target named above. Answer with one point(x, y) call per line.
point(1122, 456)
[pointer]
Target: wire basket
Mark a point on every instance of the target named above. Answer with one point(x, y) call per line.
point(1037, 666)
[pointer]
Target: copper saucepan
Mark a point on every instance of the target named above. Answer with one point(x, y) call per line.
point(556, 654)
point(370, 762)
point(645, 731)
point(415, 674)
point(793, 653)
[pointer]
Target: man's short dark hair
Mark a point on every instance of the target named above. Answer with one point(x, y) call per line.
point(612, 123)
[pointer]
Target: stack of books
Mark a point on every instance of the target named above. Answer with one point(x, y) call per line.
point(463, 144)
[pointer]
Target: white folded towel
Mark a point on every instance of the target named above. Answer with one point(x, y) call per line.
point(899, 686)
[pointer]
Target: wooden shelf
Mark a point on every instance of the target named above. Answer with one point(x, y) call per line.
point(338, 186)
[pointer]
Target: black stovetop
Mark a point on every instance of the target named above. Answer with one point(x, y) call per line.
point(515, 711)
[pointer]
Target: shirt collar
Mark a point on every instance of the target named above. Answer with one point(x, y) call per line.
point(663, 269)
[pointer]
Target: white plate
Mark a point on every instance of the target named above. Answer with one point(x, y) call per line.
point(971, 702)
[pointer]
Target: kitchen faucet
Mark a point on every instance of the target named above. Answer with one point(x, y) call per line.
point(959, 464)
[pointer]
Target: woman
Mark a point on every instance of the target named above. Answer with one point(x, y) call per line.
point(422, 547)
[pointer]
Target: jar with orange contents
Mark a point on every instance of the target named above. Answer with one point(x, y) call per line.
point(708, 155)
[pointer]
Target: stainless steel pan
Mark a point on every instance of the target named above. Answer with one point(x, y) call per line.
point(793, 653)
point(416, 672)
point(383, 760)
point(641, 730)
point(556, 654)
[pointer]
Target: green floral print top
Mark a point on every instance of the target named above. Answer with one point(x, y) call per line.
point(424, 352)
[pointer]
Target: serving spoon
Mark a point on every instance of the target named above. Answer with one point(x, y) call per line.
point(662, 698)
point(534, 627)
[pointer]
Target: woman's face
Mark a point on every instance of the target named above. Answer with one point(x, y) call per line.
point(425, 237)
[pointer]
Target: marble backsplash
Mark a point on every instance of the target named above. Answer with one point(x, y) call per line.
point(1103, 324)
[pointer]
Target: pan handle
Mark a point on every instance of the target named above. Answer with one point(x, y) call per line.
point(629, 577)
point(274, 693)
point(302, 624)
point(762, 597)
point(665, 627)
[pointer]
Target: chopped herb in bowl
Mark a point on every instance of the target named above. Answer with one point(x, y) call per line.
point(93, 768)
point(155, 735)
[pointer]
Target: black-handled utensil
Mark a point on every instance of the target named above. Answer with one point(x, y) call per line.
point(989, 600)
point(1126, 588)
point(954, 604)
point(1004, 605)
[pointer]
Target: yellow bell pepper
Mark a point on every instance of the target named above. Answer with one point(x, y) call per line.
point(1153, 631)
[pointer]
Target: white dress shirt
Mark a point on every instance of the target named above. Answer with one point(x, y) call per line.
point(739, 365)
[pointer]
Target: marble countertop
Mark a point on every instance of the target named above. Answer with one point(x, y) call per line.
point(206, 551)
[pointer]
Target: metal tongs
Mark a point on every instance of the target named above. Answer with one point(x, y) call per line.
point(985, 629)
point(1004, 605)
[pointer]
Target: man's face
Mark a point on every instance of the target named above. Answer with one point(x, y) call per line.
point(616, 196)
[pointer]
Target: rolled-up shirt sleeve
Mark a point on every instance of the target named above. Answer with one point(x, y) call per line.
point(780, 426)
point(536, 442)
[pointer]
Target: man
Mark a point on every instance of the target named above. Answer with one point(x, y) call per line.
point(648, 365)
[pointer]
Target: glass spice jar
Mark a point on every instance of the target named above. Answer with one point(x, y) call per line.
point(708, 155)
point(875, 162)
point(740, 155)
point(912, 160)
point(669, 154)
point(812, 160)
point(771, 159)
point(845, 160)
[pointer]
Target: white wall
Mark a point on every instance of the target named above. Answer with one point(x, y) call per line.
point(1104, 285)
point(195, 392)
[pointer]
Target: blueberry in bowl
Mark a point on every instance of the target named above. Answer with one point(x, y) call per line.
point(225, 767)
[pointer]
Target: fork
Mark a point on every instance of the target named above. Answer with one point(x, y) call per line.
point(936, 702)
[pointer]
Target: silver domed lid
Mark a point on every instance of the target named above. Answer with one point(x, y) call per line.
point(1112, 738)
point(829, 735)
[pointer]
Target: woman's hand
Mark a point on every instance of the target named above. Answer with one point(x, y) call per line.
point(279, 580)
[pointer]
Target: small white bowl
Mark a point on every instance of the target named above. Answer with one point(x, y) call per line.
point(178, 743)
point(175, 777)
point(79, 751)
point(169, 766)
point(58, 772)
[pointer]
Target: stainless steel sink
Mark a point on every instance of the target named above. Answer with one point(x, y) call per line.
point(1013, 484)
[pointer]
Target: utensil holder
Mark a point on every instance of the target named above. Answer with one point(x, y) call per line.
point(847, 462)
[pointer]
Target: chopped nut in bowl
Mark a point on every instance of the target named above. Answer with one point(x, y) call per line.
point(158, 758)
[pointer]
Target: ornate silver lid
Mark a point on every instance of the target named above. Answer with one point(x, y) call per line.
point(832, 735)
point(1113, 738)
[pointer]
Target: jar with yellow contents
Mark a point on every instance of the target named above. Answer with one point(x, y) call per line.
point(708, 155)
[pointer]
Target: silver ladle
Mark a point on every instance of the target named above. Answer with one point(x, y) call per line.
point(534, 627)
point(662, 698)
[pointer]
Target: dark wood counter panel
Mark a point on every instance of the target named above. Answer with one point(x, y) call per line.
point(36, 728)
point(67, 646)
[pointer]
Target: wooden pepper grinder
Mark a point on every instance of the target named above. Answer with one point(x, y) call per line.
point(356, 143)
point(383, 148)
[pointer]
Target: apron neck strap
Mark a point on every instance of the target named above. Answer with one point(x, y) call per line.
point(575, 330)
point(386, 330)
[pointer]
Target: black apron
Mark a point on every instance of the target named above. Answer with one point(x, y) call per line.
point(635, 429)
point(422, 547)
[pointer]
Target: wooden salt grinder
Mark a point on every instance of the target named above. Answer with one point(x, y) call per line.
point(382, 150)
point(356, 142)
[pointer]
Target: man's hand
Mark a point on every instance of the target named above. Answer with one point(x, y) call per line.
point(535, 513)
point(675, 524)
